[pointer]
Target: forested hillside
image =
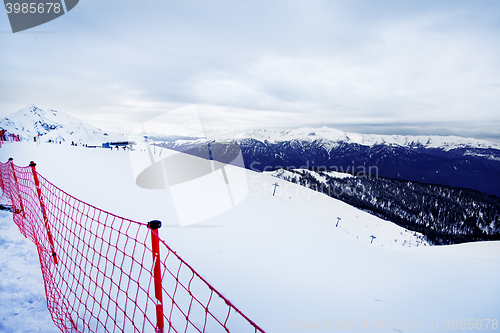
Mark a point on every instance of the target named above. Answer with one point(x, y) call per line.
point(446, 215)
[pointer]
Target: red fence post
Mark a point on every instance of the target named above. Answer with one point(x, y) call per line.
point(155, 242)
point(44, 213)
point(1, 177)
point(11, 161)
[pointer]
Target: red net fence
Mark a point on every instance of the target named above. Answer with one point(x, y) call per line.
point(105, 273)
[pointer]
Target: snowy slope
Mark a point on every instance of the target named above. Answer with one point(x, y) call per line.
point(22, 296)
point(281, 260)
point(53, 125)
point(333, 137)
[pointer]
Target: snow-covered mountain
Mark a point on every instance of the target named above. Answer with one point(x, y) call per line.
point(57, 126)
point(333, 136)
point(445, 160)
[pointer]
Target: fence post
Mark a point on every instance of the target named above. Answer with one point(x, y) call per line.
point(15, 211)
point(155, 242)
point(44, 213)
point(1, 177)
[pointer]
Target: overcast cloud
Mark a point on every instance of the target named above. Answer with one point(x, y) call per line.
point(392, 67)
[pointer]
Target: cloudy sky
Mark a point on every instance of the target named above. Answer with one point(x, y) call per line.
point(387, 67)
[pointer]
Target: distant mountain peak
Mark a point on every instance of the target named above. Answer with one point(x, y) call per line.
point(32, 121)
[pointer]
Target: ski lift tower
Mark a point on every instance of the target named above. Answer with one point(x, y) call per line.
point(275, 185)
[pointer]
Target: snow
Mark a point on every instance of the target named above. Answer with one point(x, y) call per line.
point(22, 296)
point(281, 173)
point(280, 259)
point(361, 226)
point(488, 156)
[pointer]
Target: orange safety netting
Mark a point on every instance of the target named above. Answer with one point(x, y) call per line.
point(105, 273)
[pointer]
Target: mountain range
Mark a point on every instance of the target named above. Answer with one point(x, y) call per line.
point(447, 160)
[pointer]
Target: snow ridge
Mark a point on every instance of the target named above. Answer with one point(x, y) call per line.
point(332, 137)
